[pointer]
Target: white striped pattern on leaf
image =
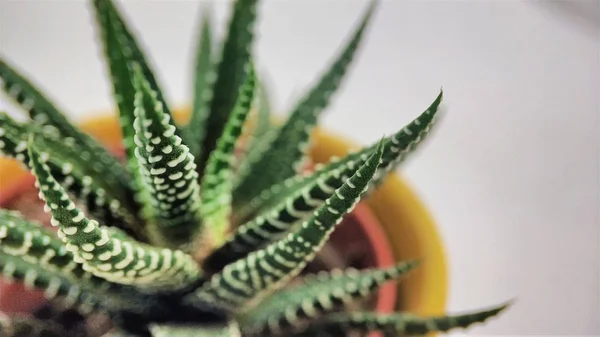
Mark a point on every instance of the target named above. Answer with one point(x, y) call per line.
point(168, 169)
point(317, 295)
point(397, 149)
point(288, 150)
point(244, 282)
point(44, 113)
point(216, 186)
point(116, 260)
point(398, 323)
point(230, 69)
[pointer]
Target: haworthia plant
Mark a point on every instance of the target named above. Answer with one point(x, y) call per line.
point(204, 228)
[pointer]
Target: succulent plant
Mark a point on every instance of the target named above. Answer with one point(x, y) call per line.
point(192, 234)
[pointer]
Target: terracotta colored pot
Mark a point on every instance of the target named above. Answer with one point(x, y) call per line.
point(360, 241)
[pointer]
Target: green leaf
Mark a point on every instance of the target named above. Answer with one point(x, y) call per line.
point(279, 220)
point(289, 148)
point(78, 176)
point(262, 135)
point(397, 323)
point(35, 244)
point(54, 122)
point(31, 253)
point(113, 259)
point(216, 182)
point(317, 295)
point(13, 138)
point(234, 58)
point(397, 149)
point(121, 49)
point(263, 120)
point(168, 169)
point(87, 295)
point(195, 130)
point(52, 282)
point(240, 284)
point(282, 206)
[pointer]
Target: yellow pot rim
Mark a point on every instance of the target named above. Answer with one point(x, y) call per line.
point(406, 221)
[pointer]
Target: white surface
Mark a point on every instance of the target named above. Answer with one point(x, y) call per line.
point(512, 173)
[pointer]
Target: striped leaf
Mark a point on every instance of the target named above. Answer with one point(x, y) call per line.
point(288, 150)
point(74, 173)
point(397, 149)
point(234, 58)
point(54, 122)
point(113, 259)
point(168, 169)
point(262, 134)
point(287, 203)
point(240, 284)
point(33, 255)
point(263, 120)
point(53, 283)
point(396, 324)
point(35, 244)
point(85, 295)
point(271, 225)
point(316, 296)
point(121, 49)
point(204, 74)
point(216, 182)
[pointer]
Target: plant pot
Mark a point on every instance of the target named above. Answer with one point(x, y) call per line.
point(391, 225)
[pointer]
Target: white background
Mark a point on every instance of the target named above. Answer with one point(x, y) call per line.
point(512, 173)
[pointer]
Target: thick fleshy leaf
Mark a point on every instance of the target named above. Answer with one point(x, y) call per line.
point(74, 173)
point(316, 296)
point(279, 220)
point(263, 119)
point(121, 49)
point(397, 149)
point(32, 254)
point(55, 123)
point(287, 203)
point(108, 257)
point(168, 170)
point(84, 294)
point(54, 283)
point(35, 244)
point(396, 324)
point(195, 130)
point(288, 150)
point(263, 133)
point(242, 283)
point(231, 68)
point(216, 182)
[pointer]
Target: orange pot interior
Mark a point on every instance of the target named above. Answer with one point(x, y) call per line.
point(406, 222)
